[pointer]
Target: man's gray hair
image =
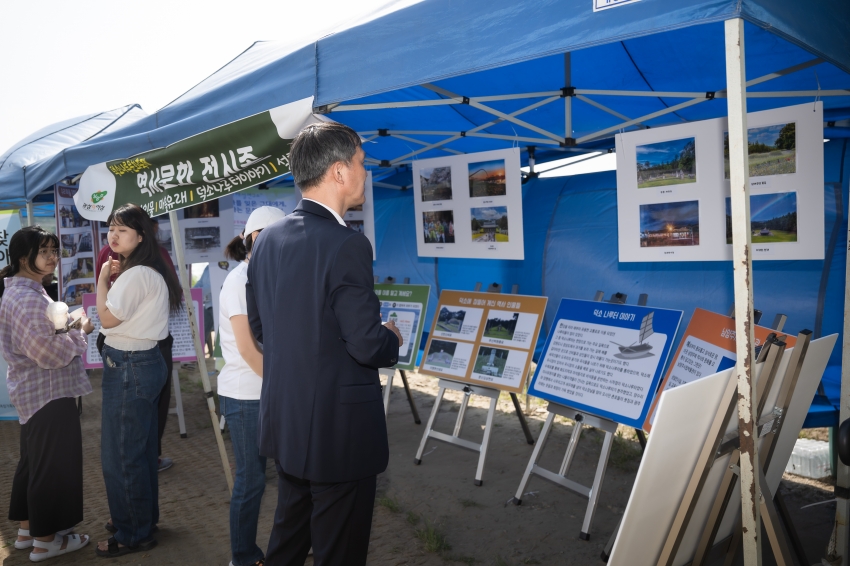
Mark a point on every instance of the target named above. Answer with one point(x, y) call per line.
point(317, 147)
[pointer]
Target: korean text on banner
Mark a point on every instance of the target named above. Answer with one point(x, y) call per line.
point(206, 166)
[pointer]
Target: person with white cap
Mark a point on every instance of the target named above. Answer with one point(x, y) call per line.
point(239, 385)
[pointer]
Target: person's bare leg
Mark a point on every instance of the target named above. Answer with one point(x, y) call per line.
point(25, 525)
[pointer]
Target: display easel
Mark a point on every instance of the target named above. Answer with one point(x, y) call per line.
point(581, 420)
point(468, 390)
point(778, 324)
point(389, 373)
point(178, 401)
point(717, 446)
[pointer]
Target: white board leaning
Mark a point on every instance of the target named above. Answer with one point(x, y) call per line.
point(469, 205)
point(673, 194)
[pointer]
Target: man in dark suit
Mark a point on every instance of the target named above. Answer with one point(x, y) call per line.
point(312, 305)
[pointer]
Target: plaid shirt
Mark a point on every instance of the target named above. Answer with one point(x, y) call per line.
point(43, 366)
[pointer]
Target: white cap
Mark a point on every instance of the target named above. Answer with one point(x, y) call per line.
point(262, 217)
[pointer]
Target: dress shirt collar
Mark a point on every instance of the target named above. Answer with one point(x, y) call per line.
point(329, 209)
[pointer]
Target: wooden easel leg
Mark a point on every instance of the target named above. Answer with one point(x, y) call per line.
point(597, 485)
point(782, 510)
point(485, 442)
point(535, 455)
point(770, 520)
point(718, 510)
point(522, 421)
point(434, 411)
point(409, 397)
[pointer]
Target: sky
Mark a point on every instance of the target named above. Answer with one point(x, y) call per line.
point(678, 214)
point(489, 213)
point(768, 207)
point(64, 59)
point(766, 135)
point(657, 153)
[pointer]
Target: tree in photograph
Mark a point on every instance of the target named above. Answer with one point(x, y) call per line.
point(787, 137)
point(503, 223)
point(476, 225)
point(688, 156)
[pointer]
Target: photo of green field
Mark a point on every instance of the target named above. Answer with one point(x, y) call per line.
point(773, 218)
point(490, 361)
point(666, 163)
point(501, 328)
point(772, 150)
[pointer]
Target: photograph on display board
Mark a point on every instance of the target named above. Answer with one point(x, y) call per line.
point(163, 238)
point(436, 183)
point(70, 218)
point(491, 361)
point(489, 224)
point(487, 178)
point(356, 225)
point(666, 163)
point(73, 244)
point(441, 353)
point(772, 150)
point(74, 294)
point(203, 238)
point(104, 239)
point(501, 327)
point(669, 224)
point(438, 227)
point(450, 319)
point(773, 218)
point(80, 268)
point(207, 209)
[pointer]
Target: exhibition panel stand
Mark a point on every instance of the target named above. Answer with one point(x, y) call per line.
point(468, 390)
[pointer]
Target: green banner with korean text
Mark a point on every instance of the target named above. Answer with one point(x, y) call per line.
point(206, 166)
point(406, 306)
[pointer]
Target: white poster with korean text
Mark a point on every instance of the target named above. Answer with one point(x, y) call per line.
point(469, 205)
point(673, 188)
point(10, 222)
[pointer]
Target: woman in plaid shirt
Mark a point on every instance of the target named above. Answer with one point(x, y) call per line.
point(45, 374)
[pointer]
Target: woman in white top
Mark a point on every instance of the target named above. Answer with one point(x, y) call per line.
point(133, 317)
point(239, 385)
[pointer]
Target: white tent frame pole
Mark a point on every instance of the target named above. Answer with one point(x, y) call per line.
point(476, 129)
point(643, 118)
point(605, 108)
point(29, 213)
point(177, 241)
point(568, 100)
point(743, 278)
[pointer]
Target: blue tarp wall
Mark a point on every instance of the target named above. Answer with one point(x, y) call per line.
point(571, 251)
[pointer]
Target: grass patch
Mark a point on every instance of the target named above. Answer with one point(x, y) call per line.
point(433, 539)
point(412, 518)
point(665, 182)
point(625, 454)
point(466, 503)
point(390, 504)
point(462, 559)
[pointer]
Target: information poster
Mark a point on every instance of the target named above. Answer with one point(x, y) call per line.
point(76, 241)
point(183, 349)
point(207, 229)
point(484, 338)
point(246, 202)
point(605, 359)
point(362, 218)
point(469, 205)
point(10, 222)
point(673, 188)
point(707, 347)
point(405, 305)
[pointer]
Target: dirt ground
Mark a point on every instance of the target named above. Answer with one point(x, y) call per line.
point(431, 514)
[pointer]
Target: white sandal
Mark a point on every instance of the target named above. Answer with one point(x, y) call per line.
point(54, 548)
point(25, 544)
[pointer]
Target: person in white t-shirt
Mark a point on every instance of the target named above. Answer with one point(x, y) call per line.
point(134, 317)
point(239, 385)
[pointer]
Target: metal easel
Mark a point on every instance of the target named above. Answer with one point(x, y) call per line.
point(717, 446)
point(492, 394)
point(581, 420)
point(389, 373)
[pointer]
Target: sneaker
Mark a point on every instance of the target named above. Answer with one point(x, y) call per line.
point(165, 463)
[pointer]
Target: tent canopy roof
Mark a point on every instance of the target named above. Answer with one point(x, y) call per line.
point(493, 47)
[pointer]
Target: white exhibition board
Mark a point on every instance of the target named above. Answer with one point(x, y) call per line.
point(682, 421)
point(673, 190)
point(206, 229)
point(469, 205)
point(362, 218)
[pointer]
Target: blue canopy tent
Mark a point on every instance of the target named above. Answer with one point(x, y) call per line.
point(18, 162)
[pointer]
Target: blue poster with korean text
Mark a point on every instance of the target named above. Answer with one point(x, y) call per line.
point(605, 359)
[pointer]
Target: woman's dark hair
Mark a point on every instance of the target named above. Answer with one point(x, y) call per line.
point(236, 249)
point(25, 244)
point(147, 252)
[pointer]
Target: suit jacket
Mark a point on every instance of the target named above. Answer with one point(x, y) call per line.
point(312, 304)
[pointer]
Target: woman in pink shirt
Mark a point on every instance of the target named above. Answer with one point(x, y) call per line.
point(45, 375)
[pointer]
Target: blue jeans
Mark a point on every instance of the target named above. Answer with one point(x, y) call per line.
point(132, 382)
point(242, 417)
